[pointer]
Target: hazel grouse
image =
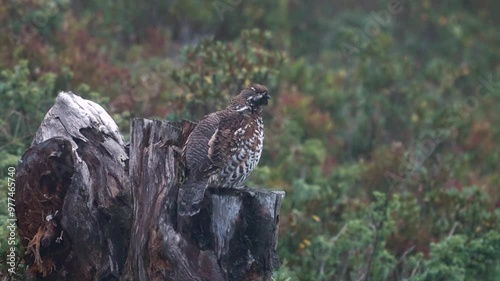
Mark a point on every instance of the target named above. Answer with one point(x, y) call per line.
point(224, 148)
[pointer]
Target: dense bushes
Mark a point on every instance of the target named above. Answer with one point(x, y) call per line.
point(389, 154)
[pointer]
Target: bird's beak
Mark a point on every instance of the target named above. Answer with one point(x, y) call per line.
point(265, 98)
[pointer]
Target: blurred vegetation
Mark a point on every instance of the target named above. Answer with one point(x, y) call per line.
point(381, 128)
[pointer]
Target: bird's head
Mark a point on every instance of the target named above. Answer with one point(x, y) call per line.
point(251, 98)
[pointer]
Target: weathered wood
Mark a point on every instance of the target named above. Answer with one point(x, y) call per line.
point(73, 195)
point(86, 213)
point(233, 237)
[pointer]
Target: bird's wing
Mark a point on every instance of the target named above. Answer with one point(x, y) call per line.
point(224, 142)
point(198, 165)
point(197, 145)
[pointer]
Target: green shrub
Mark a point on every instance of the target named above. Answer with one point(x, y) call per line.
point(214, 71)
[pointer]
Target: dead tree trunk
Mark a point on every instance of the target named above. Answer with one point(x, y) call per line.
point(90, 208)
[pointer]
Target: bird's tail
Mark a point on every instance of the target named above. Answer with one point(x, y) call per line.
point(190, 197)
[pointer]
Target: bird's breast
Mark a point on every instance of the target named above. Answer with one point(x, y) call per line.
point(244, 155)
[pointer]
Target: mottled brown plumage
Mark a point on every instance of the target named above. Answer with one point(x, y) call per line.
point(224, 147)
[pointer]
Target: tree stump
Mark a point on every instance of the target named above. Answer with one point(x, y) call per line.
point(91, 208)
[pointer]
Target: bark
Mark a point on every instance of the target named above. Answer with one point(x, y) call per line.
point(73, 196)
